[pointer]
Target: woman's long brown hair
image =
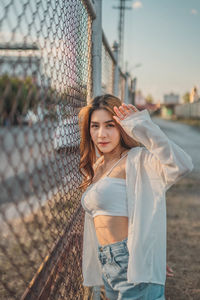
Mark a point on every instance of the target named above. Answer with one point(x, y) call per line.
point(87, 148)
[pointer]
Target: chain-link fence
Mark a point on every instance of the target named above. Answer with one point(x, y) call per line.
point(44, 74)
point(122, 82)
point(107, 68)
point(45, 78)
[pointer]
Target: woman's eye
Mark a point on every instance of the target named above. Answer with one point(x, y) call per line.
point(96, 126)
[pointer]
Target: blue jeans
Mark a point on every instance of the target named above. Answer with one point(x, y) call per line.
point(114, 262)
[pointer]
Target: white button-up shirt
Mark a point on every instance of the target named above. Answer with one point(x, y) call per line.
point(150, 171)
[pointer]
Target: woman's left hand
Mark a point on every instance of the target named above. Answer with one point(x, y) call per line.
point(124, 111)
point(170, 272)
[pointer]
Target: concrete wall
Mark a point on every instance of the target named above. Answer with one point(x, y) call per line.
point(188, 110)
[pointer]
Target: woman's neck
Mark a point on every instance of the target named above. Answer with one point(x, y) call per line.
point(112, 156)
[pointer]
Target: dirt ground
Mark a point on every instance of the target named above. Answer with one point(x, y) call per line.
point(183, 239)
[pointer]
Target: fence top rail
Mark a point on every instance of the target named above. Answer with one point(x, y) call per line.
point(107, 46)
point(122, 74)
point(91, 7)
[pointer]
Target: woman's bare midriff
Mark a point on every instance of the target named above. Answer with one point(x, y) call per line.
point(111, 229)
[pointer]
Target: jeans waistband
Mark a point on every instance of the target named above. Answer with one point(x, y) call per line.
point(113, 246)
point(107, 252)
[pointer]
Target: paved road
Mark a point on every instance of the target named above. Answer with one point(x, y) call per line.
point(31, 170)
point(187, 137)
point(22, 147)
point(28, 190)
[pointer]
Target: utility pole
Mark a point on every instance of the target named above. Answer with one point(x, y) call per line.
point(122, 7)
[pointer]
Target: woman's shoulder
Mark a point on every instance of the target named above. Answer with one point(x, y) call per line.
point(138, 153)
point(146, 159)
point(135, 151)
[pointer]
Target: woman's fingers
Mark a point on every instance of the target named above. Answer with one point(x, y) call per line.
point(116, 119)
point(132, 107)
point(124, 111)
point(129, 108)
point(170, 272)
point(118, 113)
point(126, 107)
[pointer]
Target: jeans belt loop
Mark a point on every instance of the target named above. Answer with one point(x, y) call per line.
point(110, 255)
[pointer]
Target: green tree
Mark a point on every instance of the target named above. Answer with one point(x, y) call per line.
point(149, 99)
point(20, 95)
point(17, 97)
point(186, 97)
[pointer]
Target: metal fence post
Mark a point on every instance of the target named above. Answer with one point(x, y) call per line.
point(116, 70)
point(126, 92)
point(96, 75)
point(97, 50)
point(133, 89)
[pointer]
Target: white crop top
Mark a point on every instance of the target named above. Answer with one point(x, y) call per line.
point(107, 196)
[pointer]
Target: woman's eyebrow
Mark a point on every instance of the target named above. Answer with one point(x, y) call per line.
point(109, 121)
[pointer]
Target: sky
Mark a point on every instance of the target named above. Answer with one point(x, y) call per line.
point(164, 37)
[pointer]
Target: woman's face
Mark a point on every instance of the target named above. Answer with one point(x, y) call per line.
point(104, 133)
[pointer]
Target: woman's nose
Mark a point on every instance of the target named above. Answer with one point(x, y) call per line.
point(101, 132)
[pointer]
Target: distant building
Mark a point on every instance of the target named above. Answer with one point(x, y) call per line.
point(171, 99)
point(194, 95)
point(20, 60)
point(168, 105)
point(139, 99)
point(23, 60)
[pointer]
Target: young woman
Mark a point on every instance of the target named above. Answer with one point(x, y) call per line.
point(127, 164)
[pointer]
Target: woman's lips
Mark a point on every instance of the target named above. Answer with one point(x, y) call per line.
point(104, 144)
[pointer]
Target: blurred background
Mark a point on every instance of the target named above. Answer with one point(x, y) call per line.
point(160, 48)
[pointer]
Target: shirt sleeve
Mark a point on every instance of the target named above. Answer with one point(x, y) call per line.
point(167, 159)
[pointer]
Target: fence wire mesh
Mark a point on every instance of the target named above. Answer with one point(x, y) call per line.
point(44, 78)
point(107, 70)
point(122, 82)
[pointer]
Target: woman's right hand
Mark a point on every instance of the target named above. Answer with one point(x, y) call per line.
point(124, 111)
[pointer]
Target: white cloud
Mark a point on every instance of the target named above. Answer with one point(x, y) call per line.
point(194, 11)
point(137, 5)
